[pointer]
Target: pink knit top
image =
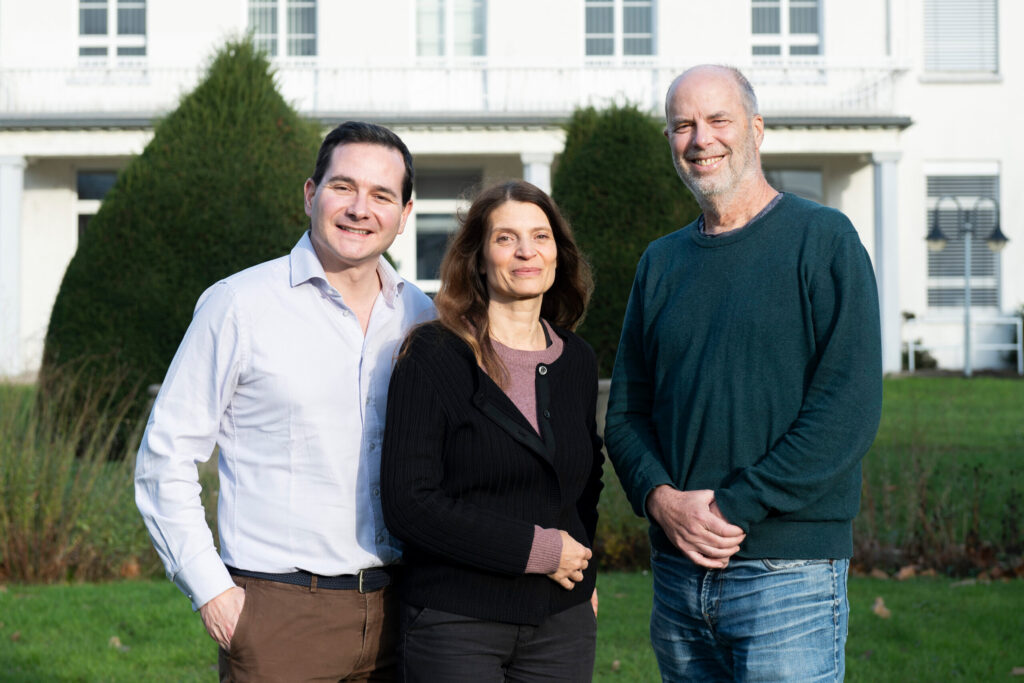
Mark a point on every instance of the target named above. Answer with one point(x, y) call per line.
point(522, 389)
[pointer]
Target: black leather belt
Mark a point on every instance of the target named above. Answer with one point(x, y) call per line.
point(366, 581)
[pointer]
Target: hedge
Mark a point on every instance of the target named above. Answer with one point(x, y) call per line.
point(217, 189)
point(616, 184)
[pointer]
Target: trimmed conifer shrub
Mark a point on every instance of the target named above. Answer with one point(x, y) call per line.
point(617, 186)
point(217, 189)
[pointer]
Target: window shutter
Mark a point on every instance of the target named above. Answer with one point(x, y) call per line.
point(946, 267)
point(961, 36)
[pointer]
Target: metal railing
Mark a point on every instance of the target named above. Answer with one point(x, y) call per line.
point(1016, 321)
point(807, 87)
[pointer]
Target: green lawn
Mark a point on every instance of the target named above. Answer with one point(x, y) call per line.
point(937, 631)
point(946, 467)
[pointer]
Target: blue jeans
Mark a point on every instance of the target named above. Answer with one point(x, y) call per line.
point(755, 620)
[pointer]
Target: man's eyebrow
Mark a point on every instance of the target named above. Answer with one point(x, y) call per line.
point(351, 181)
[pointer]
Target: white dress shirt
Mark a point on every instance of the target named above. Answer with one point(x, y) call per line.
point(275, 371)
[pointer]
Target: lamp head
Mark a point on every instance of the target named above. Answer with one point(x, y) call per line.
point(997, 240)
point(936, 240)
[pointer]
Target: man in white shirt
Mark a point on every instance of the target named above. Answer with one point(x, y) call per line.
point(285, 368)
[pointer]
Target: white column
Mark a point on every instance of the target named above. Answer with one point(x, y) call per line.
point(12, 182)
point(537, 169)
point(11, 185)
point(887, 256)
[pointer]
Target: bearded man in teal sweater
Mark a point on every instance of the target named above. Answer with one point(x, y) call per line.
point(747, 388)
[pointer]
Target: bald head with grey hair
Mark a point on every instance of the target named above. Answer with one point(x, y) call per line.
point(746, 90)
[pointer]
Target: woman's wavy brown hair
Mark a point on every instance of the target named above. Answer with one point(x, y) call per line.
point(462, 300)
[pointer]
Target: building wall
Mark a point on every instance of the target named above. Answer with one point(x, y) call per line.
point(967, 124)
point(962, 123)
point(49, 237)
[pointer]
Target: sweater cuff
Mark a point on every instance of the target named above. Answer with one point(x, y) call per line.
point(546, 551)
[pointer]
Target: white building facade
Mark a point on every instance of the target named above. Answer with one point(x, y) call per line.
point(880, 108)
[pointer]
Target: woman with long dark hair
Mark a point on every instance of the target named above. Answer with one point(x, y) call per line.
point(491, 467)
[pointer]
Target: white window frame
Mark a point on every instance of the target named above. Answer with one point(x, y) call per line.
point(454, 204)
point(427, 207)
point(449, 43)
point(87, 207)
point(283, 35)
point(618, 34)
point(784, 39)
point(112, 41)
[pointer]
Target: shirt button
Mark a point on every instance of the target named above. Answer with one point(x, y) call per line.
point(542, 369)
point(376, 492)
point(380, 538)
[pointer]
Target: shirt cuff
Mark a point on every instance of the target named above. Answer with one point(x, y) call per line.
point(204, 578)
point(546, 551)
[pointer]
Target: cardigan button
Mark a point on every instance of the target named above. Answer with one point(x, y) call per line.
point(542, 369)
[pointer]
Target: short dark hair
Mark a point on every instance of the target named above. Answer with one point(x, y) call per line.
point(371, 133)
point(462, 300)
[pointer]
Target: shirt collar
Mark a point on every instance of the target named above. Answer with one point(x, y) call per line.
point(306, 267)
point(391, 283)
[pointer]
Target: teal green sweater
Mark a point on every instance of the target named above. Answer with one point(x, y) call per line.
point(750, 364)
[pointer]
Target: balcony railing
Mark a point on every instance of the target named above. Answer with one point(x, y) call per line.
point(807, 88)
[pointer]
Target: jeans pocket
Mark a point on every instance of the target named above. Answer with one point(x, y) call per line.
point(774, 565)
point(409, 615)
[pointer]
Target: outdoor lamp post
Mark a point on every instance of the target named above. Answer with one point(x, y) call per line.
point(965, 221)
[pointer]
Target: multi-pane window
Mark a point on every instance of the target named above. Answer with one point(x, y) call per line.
point(92, 187)
point(111, 28)
point(961, 36)
point(946, 267)
point(785, 28)
point(619, 27)
point(284, 27)
point(439, 193)
point(446, 28)
point(803, 182)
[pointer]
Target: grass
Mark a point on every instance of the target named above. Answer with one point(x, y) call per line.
point(938, 631)
point(942, 481)
point(942, 478)
point(66, 511)
point(64, 632)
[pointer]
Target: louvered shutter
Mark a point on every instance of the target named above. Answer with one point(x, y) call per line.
point(961, 36)
point(946, 267)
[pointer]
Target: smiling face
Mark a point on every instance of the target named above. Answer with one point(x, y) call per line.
point(520, 255)
point(356, 211)
point(714, 139)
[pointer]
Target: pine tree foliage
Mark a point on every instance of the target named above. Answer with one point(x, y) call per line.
point(616, 184)
point(217, 189)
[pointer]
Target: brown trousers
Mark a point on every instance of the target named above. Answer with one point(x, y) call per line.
point(291, 633)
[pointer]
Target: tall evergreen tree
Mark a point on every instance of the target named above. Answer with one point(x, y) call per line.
point(616, 184)
point(217, 189)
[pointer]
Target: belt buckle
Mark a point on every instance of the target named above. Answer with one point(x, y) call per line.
point(361, 572)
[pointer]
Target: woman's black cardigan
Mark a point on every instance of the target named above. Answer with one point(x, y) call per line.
point(465, 477)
